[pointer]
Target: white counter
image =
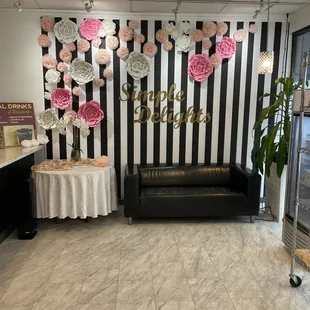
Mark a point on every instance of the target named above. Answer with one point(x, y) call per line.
point(9, 155)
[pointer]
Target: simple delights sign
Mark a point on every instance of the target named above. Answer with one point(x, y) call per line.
point(144, 113)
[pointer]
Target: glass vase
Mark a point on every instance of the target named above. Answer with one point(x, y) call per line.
point(76, 150)
point(75, 155)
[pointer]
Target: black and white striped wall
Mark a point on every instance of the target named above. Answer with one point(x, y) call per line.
point(230, 95)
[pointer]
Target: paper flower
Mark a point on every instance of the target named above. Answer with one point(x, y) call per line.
point(47, 95)
point(125, 33)
point(175, 34)
point(48, 23)
point(52, 76)
point(169, 27)
point(216, 60)
point(67, 78)
point(168, 46)
point(133, 24)
point(96, 43)
point(209, 29)
point(71, 47)
point(80, 123)
point(26, 143)
point(123, 53)
point(184, 27)
point(61, 67)
point(81, 71)
point(226, 48)
point(61, 98)
point(252, 28)
point(161, 36)
point(99, 82)
point(70, 116)
point(83, 46)
point(107, 28)
point(90, 28)
point(61, 126)
point(48, 119)
point(107, 73)
point(43, 139)
point(49, 62)
point(85, 132)
point(221, 29)
point(49, 87)
point(206, 43)
point(196, 35)
point(77, 91)
point(44, 41)
point(199, 67)
point(91, 113)
point(183, 43)
point(65, 55)
point(140, 38)
point(150, 49)
point(137, 66)
point(66, 31)
point(112, 42)
point(102, 57)
point(102, 161)
point(239, 35)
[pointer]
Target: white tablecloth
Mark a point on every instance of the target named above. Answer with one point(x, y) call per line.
point(80, 192)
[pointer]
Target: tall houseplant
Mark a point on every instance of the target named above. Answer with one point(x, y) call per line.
point(275, 143)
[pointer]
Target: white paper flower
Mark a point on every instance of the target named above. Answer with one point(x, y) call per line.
point(48, 119)
point(184, 27)
point(108, 28)
point(183, 43)
point(61, 126)
point(85, 132)
point(35, 142)
point(42, 139)
point(26, 143)
point(81, 71)
point(52, 76)
point(175, 34)
point(80, 123)
point(47, 95)
point(49, 87)
point(239, 35)
point(66, 31)
point(169, 27)
point(137, 66)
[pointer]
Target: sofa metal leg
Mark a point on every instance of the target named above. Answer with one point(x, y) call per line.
point(252, 219)
point(130, 221)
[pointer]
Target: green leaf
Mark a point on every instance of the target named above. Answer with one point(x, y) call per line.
point(281, 156)
point(270, 148)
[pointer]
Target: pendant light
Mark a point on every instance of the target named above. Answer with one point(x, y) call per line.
point(265, 62)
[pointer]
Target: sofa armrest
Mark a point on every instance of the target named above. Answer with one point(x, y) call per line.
point(131, 188)
point(248, 182)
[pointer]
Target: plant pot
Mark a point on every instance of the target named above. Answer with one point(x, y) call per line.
point(24, 134)
point(75, 155)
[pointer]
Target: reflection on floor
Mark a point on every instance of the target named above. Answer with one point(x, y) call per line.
point(106, 264)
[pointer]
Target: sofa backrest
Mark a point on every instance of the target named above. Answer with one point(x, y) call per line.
point(186, 175)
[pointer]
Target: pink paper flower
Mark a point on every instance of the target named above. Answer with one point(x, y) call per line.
point(252, 28)
point(107, 73)
point(99, 82)
point(199, 67)
point(89, 28)
point(123, 53)
point(196, 35)
point(67, 78)
point(91, 112)
point(226, 48)
point(161, 36)
point(239, 35)
point(206, 43)
point(102, 161)
point(140, 38)
point(96, 43)
point(48, 23)
point(65, 55)
point(102, 57)
point(209, 29)
point(168, 46)
point(221, 29)
point(83, 46)
point(125, 33)
point(112, 42)
point(70, 116)
point(150, 49)
point(216, 60)
point(61, 98)
point(77, 91)
point(133, 24)
point(61, 67)
point(44, 41)
point(49, 62)
point(71, 47)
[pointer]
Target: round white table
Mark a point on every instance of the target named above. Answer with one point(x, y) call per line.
point(84, 191)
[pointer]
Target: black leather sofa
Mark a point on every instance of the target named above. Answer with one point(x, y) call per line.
point(191, 191)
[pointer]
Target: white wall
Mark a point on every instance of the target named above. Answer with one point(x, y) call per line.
point(300, 19)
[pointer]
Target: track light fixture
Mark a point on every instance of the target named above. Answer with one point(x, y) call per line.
point(89, 5)
point(18, 5)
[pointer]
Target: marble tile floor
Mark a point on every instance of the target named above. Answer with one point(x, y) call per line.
point(160, 264)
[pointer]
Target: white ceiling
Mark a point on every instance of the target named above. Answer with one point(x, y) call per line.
point(166, 6)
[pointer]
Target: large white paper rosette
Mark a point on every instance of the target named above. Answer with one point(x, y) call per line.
point(52, 76)
point(66, 31)
point(184, 27)
point(108, 28)
point(137, 65)
point(183, 43)
point(81, 71)
point(48, 119)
